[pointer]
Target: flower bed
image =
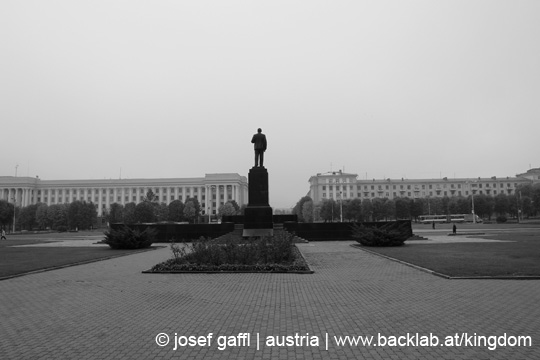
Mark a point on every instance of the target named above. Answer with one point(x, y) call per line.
point(234, 254)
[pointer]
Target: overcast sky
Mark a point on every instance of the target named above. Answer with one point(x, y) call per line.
point(164, 89)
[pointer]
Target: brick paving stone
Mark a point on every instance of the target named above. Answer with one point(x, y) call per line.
point(109, 309)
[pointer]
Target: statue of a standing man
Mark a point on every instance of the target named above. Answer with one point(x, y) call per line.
point(259, 139)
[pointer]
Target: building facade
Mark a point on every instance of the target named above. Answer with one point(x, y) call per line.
point(338, 185)
point(211, 191)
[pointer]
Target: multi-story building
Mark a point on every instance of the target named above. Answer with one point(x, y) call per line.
point(339, 185)
point(211, 191)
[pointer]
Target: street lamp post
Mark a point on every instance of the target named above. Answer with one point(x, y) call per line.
point(340, 206)
point(209, 202)
point(473, 215)
point(14, 208)
point(472, 200)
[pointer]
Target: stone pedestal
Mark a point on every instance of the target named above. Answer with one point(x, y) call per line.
point(258, 213)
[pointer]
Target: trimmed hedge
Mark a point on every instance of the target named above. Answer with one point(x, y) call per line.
point(341, 230)
point(387, 235)
point(168, 232)
point(127, 238)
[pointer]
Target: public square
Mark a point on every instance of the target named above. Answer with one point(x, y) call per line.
point(109, 309)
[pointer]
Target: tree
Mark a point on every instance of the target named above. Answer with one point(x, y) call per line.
point(367, 209)
point(75, 214)
point(403, 208)
point(352, 210)
point(196, 206)
point(129, 213)
point(463, 205)
point(116, 213)
point(42, 218)
point(89, 215)
point(176, 211)
point(297, 210)
point(150, 196)
point(383, 208)
point(57, 215)
point(483, 205)
point(27, 217)
point(417, 208)
point(307, 211)
point(6, 213)
point(226, 209)
point(162, 211)
point(527, 206)
point(445, 202)
point(453, 205)
point(190, 212)
point(329, 210)
point(144, 212)
point(235, 206)
point(501, 204)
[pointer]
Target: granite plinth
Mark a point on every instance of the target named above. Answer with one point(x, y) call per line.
point(258, 186)
point(258, 214)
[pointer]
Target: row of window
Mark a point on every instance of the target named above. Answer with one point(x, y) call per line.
point(381, 194)
point(127, 198)
point(128, 190)
point(409, 187)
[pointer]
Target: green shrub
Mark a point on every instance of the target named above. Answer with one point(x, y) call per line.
point(391, 234)
point(127, 238)
point(232, 253)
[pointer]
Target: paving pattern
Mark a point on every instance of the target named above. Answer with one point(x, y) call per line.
point(110, 310)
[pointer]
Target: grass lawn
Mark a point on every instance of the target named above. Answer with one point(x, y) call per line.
point(521, 257)
point(20, 260)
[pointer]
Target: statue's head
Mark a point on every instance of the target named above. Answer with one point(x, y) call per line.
point(259, 130)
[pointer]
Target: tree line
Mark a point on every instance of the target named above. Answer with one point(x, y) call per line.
point(526, 202)
point(61, 217)
point(82, 215)
point(150, 210)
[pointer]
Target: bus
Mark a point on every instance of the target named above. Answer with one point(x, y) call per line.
point(453, 218)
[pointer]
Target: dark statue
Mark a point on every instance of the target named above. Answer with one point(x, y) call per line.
point(259, 139)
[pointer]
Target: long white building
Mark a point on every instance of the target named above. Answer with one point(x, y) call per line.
point(211, 191)
point(339, 185)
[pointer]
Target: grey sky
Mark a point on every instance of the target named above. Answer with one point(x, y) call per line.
point(414, 89)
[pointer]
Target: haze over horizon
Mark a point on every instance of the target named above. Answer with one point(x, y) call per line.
point(169, 89)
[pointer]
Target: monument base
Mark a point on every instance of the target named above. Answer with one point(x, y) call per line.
point(257, 232)
point(258, 221)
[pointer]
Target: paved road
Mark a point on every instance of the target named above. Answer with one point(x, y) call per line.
point(109, 309)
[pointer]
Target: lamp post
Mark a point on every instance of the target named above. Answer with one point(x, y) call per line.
point(473, 215)
point(472, 201)
point(209, 202)
point(340, 206)
point(14, 208)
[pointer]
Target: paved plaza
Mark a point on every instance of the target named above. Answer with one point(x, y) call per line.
point(110, 310)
